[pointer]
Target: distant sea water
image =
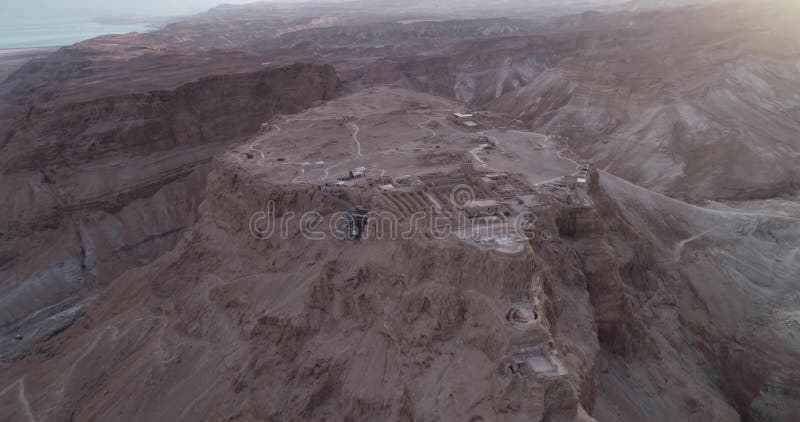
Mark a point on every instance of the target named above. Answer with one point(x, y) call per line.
point(56, 32)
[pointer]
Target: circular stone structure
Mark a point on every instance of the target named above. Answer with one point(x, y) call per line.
point(521, 314)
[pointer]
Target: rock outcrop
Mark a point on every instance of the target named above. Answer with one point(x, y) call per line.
point(325, 327)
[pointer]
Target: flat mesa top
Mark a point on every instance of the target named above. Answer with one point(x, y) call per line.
point(385, 133)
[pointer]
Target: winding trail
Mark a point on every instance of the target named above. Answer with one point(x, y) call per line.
point(328, 170)
point(426, 129)
point(474, 152)
point(297, 178)
point(680, 246)
point(355, 138)
point(553, 180)
point(483, 164)
point(61, 392)
point(23, 400)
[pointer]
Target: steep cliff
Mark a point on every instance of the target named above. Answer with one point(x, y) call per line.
point(92, 188)
point(303, 329)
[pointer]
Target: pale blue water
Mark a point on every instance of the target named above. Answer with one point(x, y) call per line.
point(55, 32)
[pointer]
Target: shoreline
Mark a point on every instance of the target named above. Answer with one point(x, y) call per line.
point(4, 52)
point(12, 59)
point(42, 35)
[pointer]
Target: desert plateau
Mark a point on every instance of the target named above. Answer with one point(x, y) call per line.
point(472, 211)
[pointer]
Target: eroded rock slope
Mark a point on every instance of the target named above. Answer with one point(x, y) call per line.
point(94, 187)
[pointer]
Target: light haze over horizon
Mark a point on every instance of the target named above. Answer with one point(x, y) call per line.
point(32, 9)
point(91, 9)
point(54, 23)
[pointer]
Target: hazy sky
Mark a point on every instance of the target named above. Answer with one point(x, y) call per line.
point(95, 8)
point(30, 9)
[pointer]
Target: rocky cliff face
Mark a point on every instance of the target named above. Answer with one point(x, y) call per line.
point(293, 328)
point(298, 329)
point(653, 308)
point(645, 307)
point(92, 188)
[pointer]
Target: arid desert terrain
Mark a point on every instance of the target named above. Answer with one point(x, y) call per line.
point(419, 211)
